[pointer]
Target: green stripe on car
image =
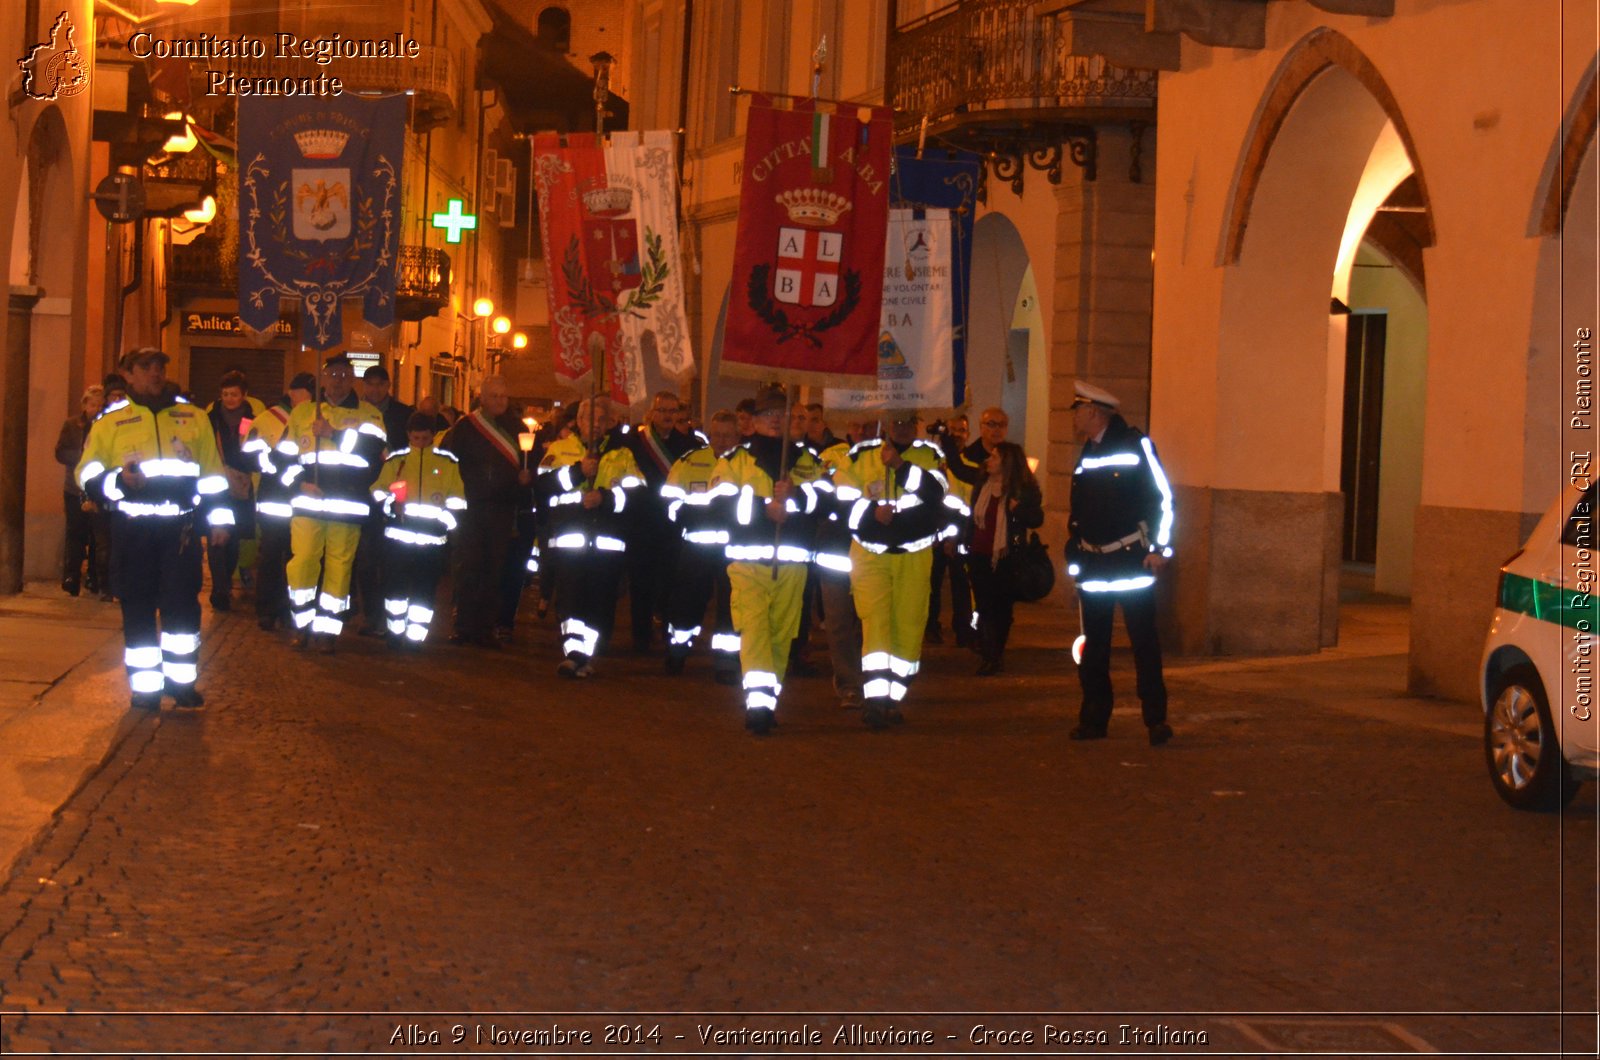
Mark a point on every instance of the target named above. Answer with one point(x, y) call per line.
point(1570, 607)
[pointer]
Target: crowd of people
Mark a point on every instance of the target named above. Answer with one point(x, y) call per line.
point(354, 504)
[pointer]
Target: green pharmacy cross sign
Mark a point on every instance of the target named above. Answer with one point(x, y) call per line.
point(454, 221)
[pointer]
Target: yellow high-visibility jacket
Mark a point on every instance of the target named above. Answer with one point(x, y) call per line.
point(433, 494)
point(171, 443)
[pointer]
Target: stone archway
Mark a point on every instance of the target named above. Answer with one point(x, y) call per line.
point(1316, 54)
point(999, 267)
point(44, 350)
point(1275, 514)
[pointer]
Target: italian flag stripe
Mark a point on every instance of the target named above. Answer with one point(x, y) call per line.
point(819, 140)
point(1570, 607)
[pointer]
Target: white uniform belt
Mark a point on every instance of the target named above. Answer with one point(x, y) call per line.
point(1116, 546)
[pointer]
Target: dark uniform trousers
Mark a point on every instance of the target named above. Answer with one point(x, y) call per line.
point(514, 571)
point(960, 595)
point(88, 538)
point(586, 599)
point(156, 564)
point(480, 548)
point(1094, 673)
point(700, 575)
point(411, 580)
point(370, 579)
point(653, 550)
point(272, 555)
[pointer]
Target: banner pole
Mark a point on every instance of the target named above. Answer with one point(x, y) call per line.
point(783, 475)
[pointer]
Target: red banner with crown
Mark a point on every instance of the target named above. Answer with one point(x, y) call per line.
point(608, 213)
point(808, 260)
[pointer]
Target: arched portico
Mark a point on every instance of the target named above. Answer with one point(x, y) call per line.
point(1324, 152)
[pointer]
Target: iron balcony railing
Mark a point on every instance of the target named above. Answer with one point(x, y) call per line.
point(422, 275)
point(999, 55)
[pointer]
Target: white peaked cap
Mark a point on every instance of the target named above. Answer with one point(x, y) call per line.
point(1090, 392)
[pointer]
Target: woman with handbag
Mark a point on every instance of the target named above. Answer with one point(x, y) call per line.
point(1008, 504)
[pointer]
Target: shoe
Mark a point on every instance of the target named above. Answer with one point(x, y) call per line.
point(108, 598)
point(568, 668)
point(372, 631)
point(301, 639)
point(988, 668)
point(91, 585)
point(221, 603)
point(150, 701)
point(673, 665)
point(268, 623)
point(583, 672)
point(874, 716)
point(1087, 732)
point(727, 677)
point(327, 644)
point(850, 701)
point(759, 720)
point(932, 636)
point(1160, 733)
point(893, 716)
point(503, 634)
point(186, 696)
point(70, 587)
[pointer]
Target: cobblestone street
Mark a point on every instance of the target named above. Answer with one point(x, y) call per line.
point(463, 832)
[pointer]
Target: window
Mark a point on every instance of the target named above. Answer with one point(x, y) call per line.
point(555, 29)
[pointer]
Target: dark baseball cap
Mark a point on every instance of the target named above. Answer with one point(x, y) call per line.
point(144, 355)
point(304, 381)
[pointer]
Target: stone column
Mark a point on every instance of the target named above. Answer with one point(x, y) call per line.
point(14, 384)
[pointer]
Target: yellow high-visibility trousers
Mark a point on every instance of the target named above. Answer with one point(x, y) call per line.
point(326, 548)
point(766, 615)
point(891, 594)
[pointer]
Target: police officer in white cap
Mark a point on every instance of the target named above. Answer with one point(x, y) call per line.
point(1120, 538)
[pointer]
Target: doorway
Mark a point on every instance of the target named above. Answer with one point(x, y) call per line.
point(1362, 447)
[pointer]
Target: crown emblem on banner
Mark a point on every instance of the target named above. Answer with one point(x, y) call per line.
point(813, 206)
point(608, 202)
point(321, 143)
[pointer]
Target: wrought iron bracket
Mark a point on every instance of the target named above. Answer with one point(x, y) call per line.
point(1008, 156)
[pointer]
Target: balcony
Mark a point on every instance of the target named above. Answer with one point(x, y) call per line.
point(196, 269)
point(999, 78)
point(421, 282)
point(430, 79)
point(422, 276)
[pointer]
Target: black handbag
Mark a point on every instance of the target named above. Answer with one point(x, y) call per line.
point(1028, 570)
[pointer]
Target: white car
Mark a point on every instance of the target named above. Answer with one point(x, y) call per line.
point(1541, 700)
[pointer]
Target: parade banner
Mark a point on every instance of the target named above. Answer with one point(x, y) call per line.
point(319, 210)
point(609, 219)
point(915, 339)
point(946, 180)
point(808, 257)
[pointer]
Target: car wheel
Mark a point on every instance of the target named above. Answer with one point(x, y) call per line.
point(1521, 747)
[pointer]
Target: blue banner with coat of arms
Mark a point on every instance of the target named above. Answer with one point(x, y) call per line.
point(319, 210)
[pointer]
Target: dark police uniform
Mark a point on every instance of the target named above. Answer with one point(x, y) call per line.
point(1121, 513)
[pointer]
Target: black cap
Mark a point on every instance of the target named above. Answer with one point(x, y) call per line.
point(304, 381)
point(144, 355)
point(771, 399)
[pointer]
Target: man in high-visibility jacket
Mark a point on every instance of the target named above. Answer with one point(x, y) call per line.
point(771, 504)
point(153, 456)
point(421, 492)
point(273, 512)
point(701, 570)
point(585, 481)
point(337, 443)
point(900, 509)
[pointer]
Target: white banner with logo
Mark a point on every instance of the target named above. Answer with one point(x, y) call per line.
point(915, 352)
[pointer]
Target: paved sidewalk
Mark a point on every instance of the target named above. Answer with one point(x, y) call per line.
point(63, 705)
